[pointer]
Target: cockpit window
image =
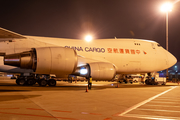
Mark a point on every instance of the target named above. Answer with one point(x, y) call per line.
point(158, 45)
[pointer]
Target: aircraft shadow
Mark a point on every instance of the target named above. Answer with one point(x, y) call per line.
point(70, 87)
point(15, 97)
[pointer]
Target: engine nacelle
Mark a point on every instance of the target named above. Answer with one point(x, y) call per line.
point(47, 60)
point(102, 71)
point(97, 70)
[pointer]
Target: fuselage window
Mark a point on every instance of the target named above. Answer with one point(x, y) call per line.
point(137, 43)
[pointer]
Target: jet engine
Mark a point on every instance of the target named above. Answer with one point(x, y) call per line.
point(97, 70)
point(47, 60)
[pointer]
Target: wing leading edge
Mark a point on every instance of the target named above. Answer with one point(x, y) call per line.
point(9, 34)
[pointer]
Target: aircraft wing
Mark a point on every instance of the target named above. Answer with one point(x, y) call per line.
point(9, 34)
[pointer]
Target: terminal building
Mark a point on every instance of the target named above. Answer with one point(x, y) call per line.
point(173, 72)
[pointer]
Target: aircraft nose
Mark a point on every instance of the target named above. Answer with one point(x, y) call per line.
point(171, 59)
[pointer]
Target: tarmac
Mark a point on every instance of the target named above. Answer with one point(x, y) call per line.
point(70, 101)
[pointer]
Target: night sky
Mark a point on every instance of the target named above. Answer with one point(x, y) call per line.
point(140, 19)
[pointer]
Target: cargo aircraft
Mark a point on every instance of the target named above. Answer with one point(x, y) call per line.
point(101, 59)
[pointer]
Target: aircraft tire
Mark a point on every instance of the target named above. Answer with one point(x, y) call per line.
point(17, 81)
point(125, 81)
point(42, 82)
point(147, 82)
point(21, 82)
point(31, 82)
point(52, 82)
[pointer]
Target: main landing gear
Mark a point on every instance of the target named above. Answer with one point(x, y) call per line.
point(25, 80)
point(32, 79)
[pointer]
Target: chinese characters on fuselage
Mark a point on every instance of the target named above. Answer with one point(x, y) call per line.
point(103, 50)
point(123, 51)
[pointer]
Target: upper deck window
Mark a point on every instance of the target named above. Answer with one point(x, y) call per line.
point(137, 44)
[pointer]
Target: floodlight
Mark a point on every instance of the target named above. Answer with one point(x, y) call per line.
point(166, 7)
point(88, 38)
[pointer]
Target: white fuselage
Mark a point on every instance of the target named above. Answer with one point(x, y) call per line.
point(127, 55)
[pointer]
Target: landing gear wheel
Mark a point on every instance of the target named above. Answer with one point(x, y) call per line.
point(17, 81)
point(21, 82)
point(31, 82)
point(125, 81)
point(52, 82)
point(148, 82)
point(42, 82)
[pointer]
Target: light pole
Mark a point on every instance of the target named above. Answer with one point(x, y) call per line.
point(166, 7)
